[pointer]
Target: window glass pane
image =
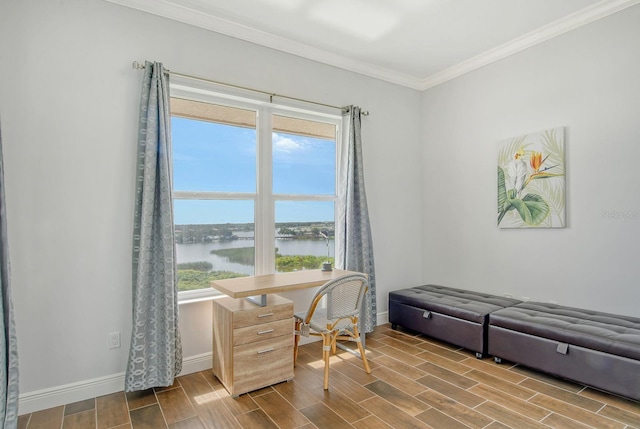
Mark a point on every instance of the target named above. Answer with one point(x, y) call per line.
point(305, 232)
point(215, 152)
point(209, 156)
point(303, 163)
point(214, 240)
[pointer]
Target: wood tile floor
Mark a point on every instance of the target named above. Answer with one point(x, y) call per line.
point(415, 382)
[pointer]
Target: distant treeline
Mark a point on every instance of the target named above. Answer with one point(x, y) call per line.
point(209, 233)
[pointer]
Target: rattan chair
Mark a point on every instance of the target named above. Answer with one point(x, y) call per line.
point(338, 321)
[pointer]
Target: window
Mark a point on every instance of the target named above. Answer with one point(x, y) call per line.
point(254, 187)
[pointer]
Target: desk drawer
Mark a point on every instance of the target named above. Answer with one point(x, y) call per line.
point(260, 315)
point(263, 331)
point(262, 363)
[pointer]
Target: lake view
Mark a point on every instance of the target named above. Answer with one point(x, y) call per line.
point(288, 246)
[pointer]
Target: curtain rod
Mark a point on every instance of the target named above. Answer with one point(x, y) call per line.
point(138, 66)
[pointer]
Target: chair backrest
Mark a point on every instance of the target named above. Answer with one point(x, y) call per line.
point(344, 294)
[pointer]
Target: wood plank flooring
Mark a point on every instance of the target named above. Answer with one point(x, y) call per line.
point(416, 382)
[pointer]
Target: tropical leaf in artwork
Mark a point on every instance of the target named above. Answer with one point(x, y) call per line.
point(502, 190)
point(533, 209)
point(554, 150)
point(554, 195)
point(504, 196)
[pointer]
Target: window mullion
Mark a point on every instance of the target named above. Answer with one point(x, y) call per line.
point(265, 210)
point(196, 195)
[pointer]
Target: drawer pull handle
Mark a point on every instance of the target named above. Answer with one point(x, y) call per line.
point(265, 332)
point(266, 350)
point(265, 315)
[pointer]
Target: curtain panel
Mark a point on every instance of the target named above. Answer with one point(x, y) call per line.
point(8, 340)
point(354, 246)
point(155, 356)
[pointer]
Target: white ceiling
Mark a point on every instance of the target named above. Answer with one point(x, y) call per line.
point(415, 43)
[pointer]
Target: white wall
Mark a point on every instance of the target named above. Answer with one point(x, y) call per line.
point(586, 80)
point(69, 106)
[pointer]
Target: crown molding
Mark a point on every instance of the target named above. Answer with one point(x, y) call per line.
point(571, 22)
point(170, 10)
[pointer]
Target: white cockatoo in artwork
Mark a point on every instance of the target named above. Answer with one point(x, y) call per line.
point(517, 171)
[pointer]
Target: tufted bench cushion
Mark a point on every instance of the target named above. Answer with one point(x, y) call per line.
point(607, 333)
point(454, 315)
point(594, 348)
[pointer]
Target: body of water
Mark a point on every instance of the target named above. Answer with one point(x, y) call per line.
point(202, 252)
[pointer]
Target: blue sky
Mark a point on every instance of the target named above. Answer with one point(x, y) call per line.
point(214, 157)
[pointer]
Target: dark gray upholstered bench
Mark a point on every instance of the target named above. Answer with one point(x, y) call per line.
point(593, 348)
point(456, 316)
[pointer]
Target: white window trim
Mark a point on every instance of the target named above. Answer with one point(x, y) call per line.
point(264, 200)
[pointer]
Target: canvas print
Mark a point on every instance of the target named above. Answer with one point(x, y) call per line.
point(531, 180)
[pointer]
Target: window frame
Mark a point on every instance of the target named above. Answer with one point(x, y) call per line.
point(264, 199)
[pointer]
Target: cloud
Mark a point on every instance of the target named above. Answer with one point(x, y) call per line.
point(286, 144)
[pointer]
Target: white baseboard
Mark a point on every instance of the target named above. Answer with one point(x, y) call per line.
point(69, 393)
point(93, 388)
point(196, 363)
point(382, 318)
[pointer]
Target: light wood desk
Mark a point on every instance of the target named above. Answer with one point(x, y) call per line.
point(252, 286)
point(253, 342)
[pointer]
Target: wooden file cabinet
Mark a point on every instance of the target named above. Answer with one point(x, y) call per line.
point(252, 345)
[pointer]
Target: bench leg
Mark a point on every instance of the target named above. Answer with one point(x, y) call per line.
point(479, 355)
point(394, 326)
point(497, 359)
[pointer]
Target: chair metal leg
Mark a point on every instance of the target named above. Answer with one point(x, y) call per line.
point(326, 354)
point(363, 355)
point(296, 340)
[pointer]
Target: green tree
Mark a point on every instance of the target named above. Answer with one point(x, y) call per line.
point(194, 279)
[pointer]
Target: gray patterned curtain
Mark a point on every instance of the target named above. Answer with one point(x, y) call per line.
point(155, 357)
point(354, 247)
point(8, 341)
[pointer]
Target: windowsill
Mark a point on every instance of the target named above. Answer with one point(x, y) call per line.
point(190, 297)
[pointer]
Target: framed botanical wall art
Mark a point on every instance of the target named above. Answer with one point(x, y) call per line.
point(531, 180)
